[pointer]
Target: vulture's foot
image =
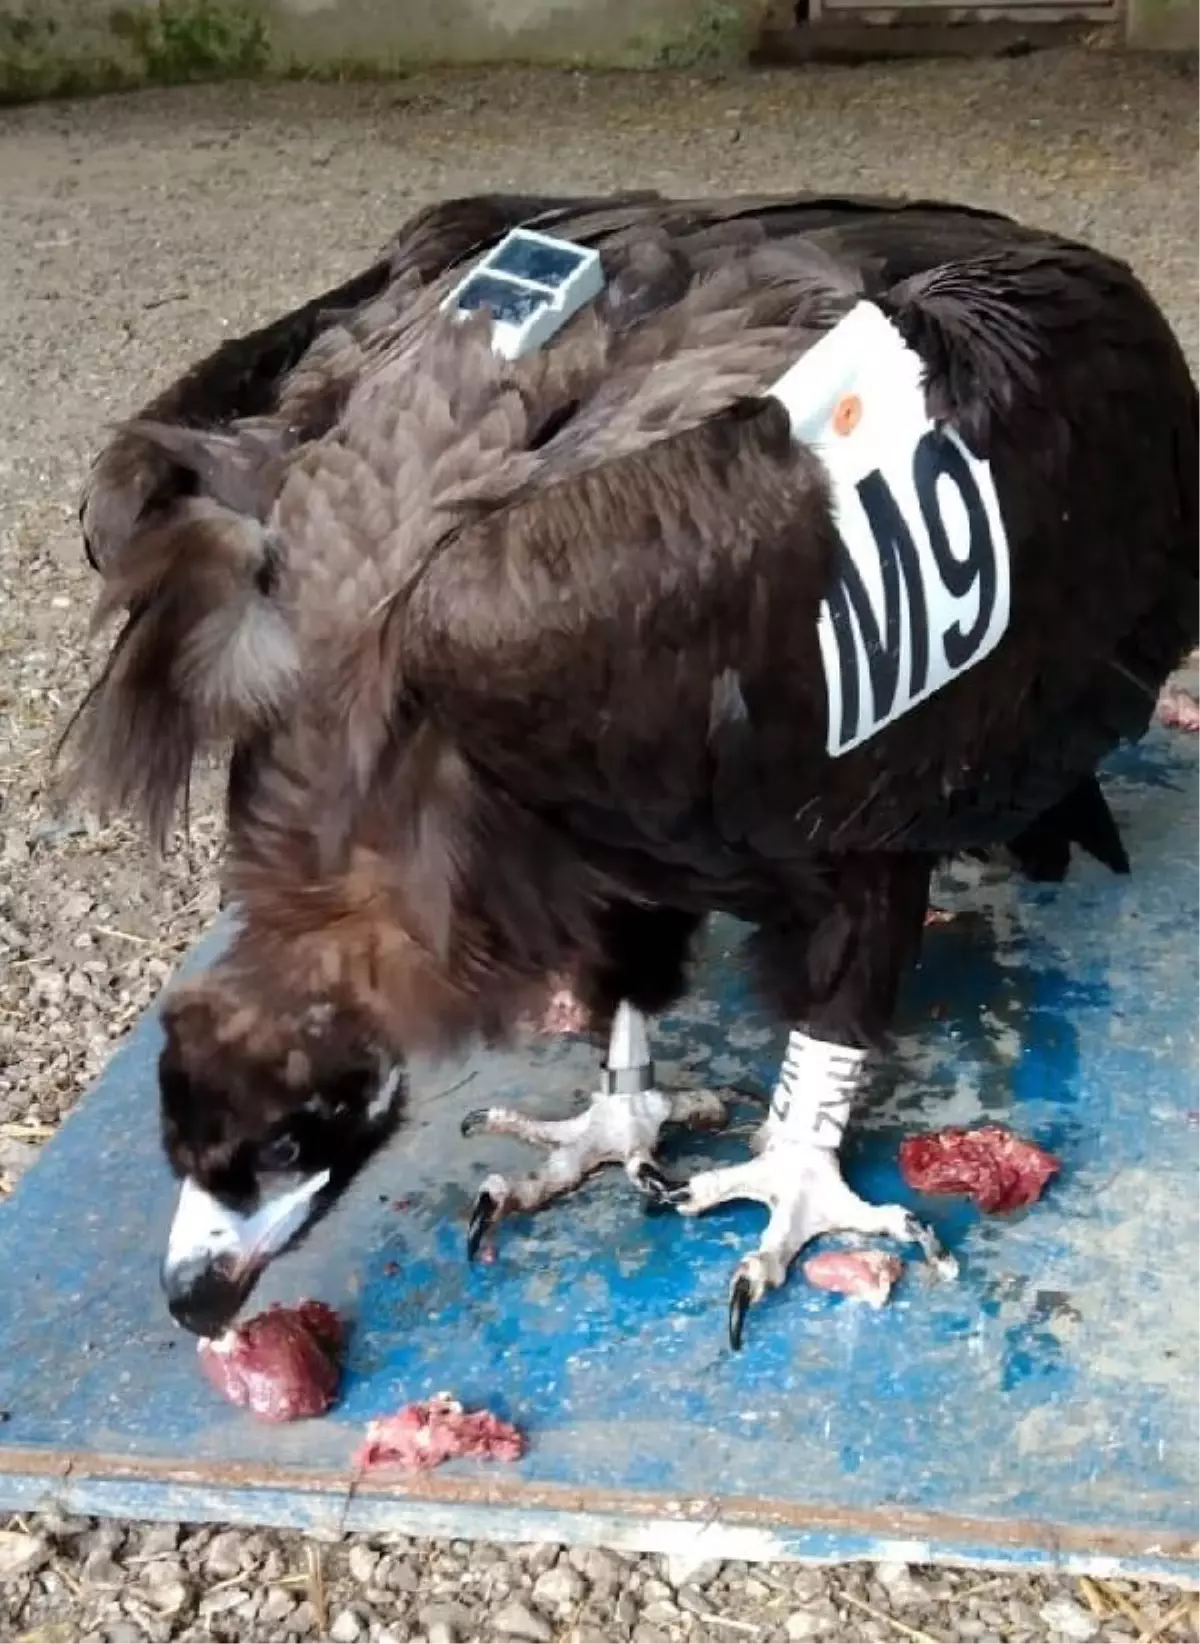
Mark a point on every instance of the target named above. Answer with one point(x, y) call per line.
point(620, 1125)
point(617, 1127)
point(802, 1187)
point(797, 1174)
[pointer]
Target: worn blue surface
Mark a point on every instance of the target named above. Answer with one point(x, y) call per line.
point(1042, 1410)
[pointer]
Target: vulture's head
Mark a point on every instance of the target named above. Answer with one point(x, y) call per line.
point(266, 1118)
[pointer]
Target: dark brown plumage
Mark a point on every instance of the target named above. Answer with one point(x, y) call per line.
point(519, 662)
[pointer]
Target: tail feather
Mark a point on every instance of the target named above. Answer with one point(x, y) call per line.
point(1083, 818)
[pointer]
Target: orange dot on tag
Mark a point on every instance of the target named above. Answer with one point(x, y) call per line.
point(847, 414)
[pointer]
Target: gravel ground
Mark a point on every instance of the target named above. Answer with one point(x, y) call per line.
point(137, 232)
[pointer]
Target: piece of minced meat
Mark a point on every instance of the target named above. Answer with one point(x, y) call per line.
point(564, 1015)
point(865, 1275)
point(1177, 709)
point(996, 1168)
point(423, 1435)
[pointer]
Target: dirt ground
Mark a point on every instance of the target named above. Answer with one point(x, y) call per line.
point(138, 231)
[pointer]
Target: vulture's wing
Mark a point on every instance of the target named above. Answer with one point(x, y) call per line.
point(244, 376)
point(639, 638)
point(174, 507)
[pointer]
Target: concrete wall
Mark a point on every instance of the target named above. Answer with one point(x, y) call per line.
point(51, 46)
point(1164, 25)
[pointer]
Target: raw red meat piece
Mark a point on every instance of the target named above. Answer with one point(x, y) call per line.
point(281, 1364)
point(867, 1275)
point(991, 1165)
point(563, 1014)
point(1178, 709)
point(424, 1435)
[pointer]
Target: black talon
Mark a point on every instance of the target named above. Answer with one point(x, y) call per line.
point(739, 1306)
point(483, 1214)
point(662, 1194)
point(657, 1187)
point(472, 1123)
point(932, 1247)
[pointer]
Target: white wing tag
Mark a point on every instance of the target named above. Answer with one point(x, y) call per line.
point(921, 588)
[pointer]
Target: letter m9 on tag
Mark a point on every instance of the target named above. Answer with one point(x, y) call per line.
point(920, 589)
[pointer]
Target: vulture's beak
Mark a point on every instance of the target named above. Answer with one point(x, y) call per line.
point(215, 1255)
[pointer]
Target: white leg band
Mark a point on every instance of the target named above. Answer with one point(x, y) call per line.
point(815, 1090)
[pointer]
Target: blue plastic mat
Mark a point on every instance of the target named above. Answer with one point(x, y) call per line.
point(1041, 1411)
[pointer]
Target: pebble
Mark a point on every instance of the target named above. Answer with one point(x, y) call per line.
point(100, 1570)
point(345, 1628)
point(816, 1621)
point(808, 1583)
point(456, 1617)
point(1070, 1620)
point(399, 1574)
point(224, 1598)
point(692, 1600)
point(21, 1554)
point(277, 1605)
point(687, 1570)
point(107, 1537)
point(441, 1632)
point(517, 1620)
point(540, 1556)
point(362, 1562)
point(162, 1571)
point(159, 1538)
point(16, 1158)
point(626, 1611)
point(559, 1587)
point(603, 1571)
point(64, 1526)
point(224, 1556)
point(169, 1597)
point(902, 1587)
point(123, 1632)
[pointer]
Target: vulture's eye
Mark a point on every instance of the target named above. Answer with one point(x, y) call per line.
point(280, 1153)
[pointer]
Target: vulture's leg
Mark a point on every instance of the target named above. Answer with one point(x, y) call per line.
point(840, 976)
point(620, 1125)
point(643, 971)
